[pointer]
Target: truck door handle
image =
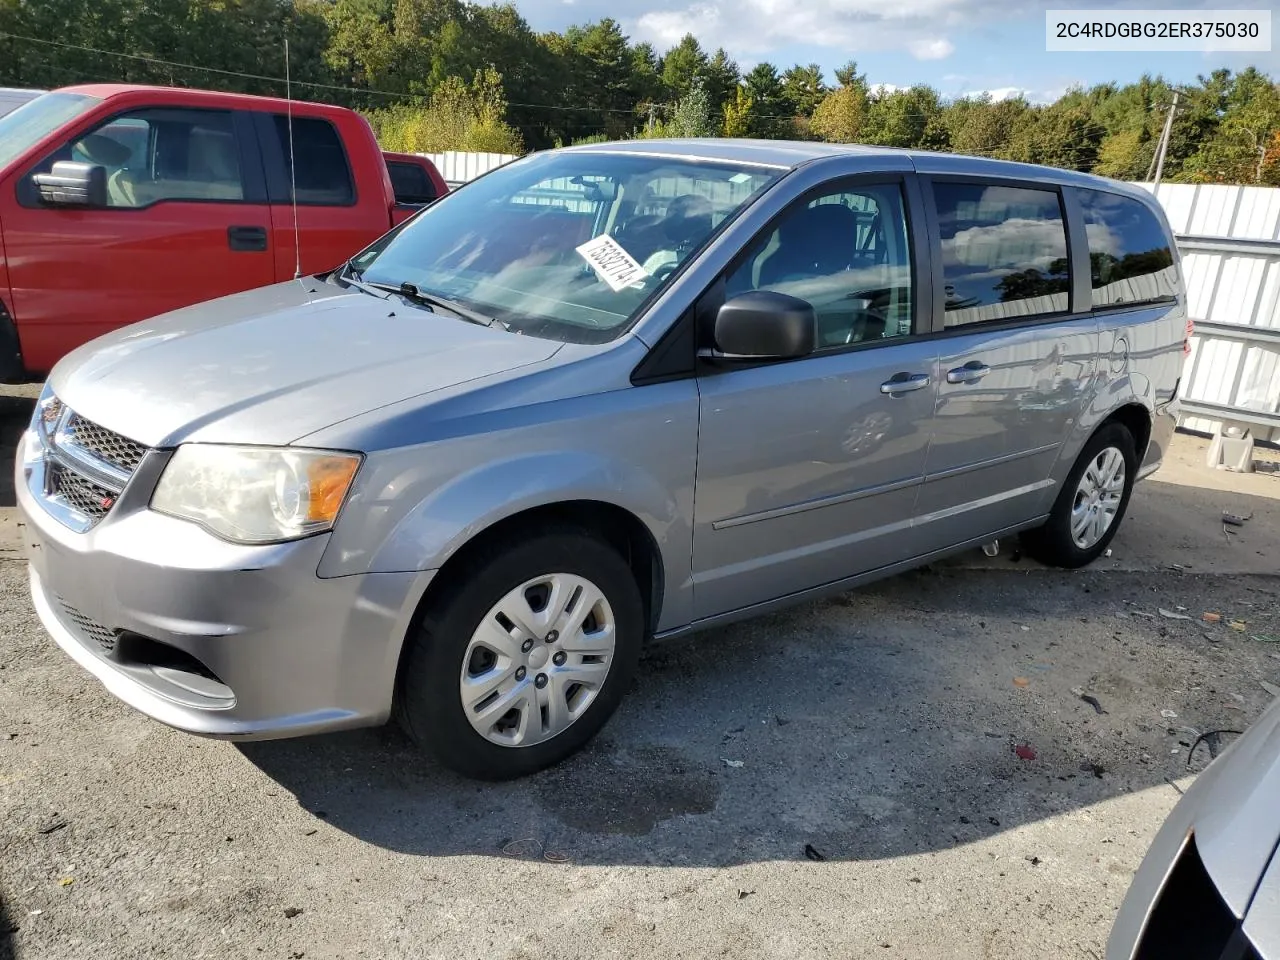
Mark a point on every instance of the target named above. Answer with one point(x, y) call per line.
point(247, 238)
point(971, 372)
point(904, 383)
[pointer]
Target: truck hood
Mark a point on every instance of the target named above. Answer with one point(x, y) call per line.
point(272, 365)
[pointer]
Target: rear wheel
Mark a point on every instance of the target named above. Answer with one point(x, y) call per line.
point(1092, 502)
point(524, 657)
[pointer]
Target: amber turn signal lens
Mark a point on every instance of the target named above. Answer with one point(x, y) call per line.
point(328, 480)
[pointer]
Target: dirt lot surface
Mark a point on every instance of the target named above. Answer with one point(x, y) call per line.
point(910, 770)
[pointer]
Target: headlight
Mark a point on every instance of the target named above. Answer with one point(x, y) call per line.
point(255, 494)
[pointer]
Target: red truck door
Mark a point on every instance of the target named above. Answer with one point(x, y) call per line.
point(186, 220)
point(336, 218)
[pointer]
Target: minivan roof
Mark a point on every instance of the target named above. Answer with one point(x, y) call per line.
point(789, 154)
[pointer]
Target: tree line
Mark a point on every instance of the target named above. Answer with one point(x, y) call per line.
point(450, 74)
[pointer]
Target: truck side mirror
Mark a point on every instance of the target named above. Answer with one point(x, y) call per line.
point(73, 184)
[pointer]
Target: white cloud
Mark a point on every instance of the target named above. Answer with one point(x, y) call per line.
point(931, 49)
point(746, 27)
point(883, 89)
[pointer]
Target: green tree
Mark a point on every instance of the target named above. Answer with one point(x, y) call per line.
point(900, 118)
point(985, 128)
point(840, 115)
point(683, 64)
point(692, 115)
point(770, 114)
point(803, 88)
point(737, 114)
point(848, 76)
point(720, 77)
point(1236, 153)
point(457, 117)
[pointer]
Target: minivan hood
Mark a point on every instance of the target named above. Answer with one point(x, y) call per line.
point(271, 365)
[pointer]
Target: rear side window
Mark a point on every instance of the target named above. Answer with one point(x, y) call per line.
point(1004, 252)
point(322, 174)
point(410, 183)
point(1130, 258)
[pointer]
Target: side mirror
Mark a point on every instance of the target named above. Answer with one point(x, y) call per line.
point(765, 325)
point(72, 184)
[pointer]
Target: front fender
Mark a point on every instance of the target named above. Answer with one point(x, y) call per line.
point(433, 531)
point(413, 507)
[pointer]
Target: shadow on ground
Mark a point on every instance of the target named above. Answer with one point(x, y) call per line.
point(893, 720)
point(8, 927)
point(15, 414)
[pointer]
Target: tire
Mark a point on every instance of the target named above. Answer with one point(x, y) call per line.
point(1054, 543)
point(450, 658)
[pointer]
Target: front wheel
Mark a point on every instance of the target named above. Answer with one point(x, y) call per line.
point(524, 656)
point(1093, 501)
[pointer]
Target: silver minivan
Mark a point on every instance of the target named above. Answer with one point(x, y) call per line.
point(597, 397)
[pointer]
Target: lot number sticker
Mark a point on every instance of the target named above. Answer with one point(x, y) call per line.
point(613, 264)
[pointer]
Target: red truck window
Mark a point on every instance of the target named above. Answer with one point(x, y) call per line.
point(322, 172)
point(155, 155)
point(410, 183)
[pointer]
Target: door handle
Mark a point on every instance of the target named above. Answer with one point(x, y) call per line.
point(971, 372)
point(247, 238)
point(904, 383)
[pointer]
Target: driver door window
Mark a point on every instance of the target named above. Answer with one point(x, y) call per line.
point(156, 155)
point(847, 253)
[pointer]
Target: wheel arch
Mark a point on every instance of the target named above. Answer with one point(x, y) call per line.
point(1135, 418)
point(613, 524)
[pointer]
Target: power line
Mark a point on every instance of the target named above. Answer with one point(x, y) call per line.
point(280, 80)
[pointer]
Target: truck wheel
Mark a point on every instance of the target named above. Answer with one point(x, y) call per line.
point(524, 656)
point(1092, 503)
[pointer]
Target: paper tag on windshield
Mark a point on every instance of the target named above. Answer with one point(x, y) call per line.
point(613, 264)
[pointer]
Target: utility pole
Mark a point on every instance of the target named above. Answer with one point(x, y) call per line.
point(1164, 140)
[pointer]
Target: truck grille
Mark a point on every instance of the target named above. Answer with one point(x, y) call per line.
point(103, 443)
point(88, 627)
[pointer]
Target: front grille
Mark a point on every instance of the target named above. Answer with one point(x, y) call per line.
point(80, 468)
point(80, 493)
point(103, 443)
point(88, 627)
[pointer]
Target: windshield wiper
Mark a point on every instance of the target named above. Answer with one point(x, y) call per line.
point(353, 275)
point(411, 293)
point(350, 275)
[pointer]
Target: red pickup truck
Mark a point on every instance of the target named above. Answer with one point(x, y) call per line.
point(118, 203)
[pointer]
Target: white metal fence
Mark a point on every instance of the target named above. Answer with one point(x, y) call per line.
point(1229, 237)
point(458, 167)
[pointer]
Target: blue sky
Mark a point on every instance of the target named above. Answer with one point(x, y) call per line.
point(957, 46)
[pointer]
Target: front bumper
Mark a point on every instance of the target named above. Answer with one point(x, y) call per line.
point(215, 638)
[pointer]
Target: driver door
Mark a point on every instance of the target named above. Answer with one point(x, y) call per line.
point(185, 221)
point(809, 469)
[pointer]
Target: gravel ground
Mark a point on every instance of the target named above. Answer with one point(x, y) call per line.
point(908, 770)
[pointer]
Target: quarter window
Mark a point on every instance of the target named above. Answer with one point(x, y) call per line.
point(1130, 260)
point(322, 175)
point(1004, 252)
point(847, 253)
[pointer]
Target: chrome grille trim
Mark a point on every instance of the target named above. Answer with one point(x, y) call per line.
point(81, 467)
point(106, 445)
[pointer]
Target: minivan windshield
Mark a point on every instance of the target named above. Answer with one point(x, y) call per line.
point(36, 119)
point(568, 246)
